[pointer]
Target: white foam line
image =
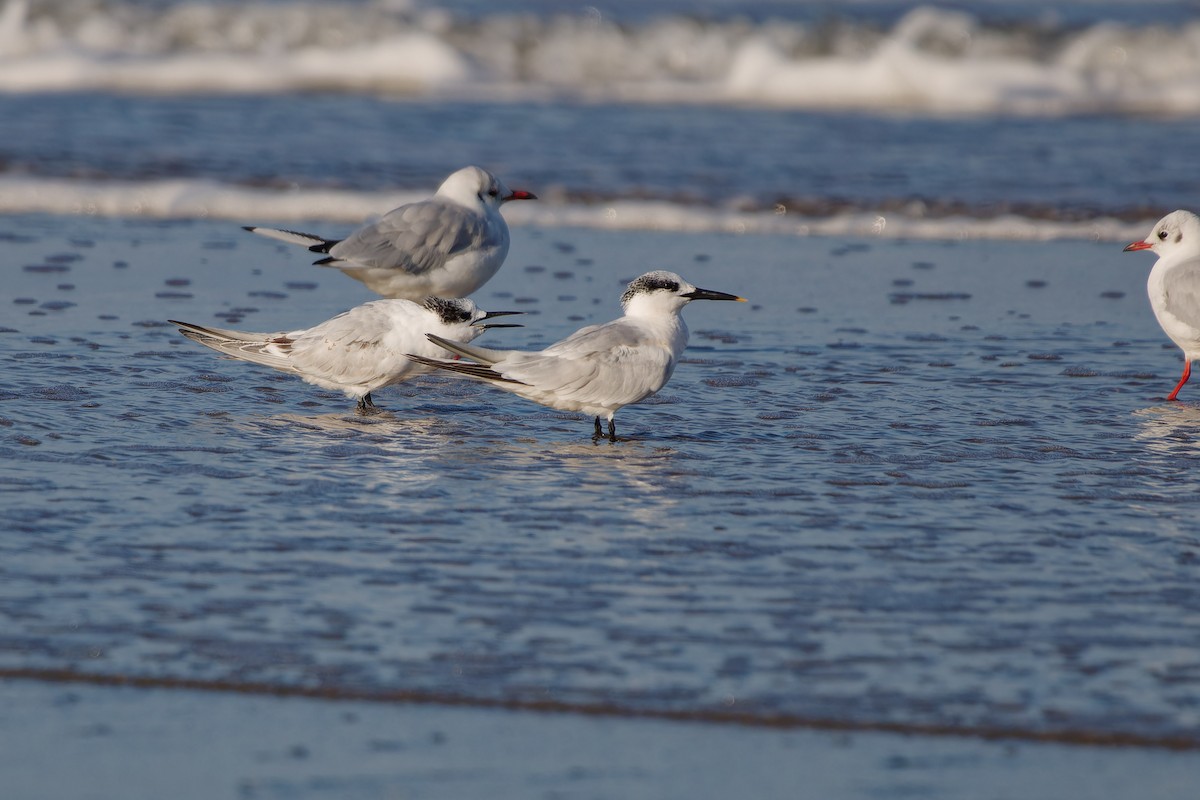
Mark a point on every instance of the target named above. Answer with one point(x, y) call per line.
point(626, 215)
point(190, 199)
point(198, 199)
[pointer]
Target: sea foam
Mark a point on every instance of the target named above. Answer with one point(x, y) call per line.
point(197, 199)
point(930, 60)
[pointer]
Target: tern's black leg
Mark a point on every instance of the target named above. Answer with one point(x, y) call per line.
point(612, 430)
point(366, 404)
point(598, 433)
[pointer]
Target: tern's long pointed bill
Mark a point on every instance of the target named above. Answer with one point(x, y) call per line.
point(493, 315)
point(519, 194)
point(706, 294)
point(1137, 246)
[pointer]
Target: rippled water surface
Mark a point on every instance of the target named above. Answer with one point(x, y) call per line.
point(923, 485)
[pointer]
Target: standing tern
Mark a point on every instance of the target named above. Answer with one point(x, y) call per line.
point(358, 351)
point(1174, 283)
point(446, 246)
point(597, 369)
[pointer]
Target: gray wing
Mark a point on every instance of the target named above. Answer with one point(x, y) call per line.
point(415, 238)
point(268, 349)
point(1181, 284)
point(349, 348)
point(604, 364)
point(482, 355)
point(309, 240)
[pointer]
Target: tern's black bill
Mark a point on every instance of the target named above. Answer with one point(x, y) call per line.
point(494, 314)
point(706, 294)
point(498, 325)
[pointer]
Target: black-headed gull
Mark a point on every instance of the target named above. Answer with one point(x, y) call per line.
point(446, 246)
point(358, 351)
point(598, 369)
point(1174, 283)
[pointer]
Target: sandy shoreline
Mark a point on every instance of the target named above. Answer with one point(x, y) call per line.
point(729, 715)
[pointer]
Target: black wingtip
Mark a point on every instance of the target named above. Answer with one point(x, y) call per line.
point(324, 247)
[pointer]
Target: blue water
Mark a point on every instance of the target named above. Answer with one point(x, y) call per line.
point(749, 159)
point(921, 486)
point(930, 485)
point(1072, 111)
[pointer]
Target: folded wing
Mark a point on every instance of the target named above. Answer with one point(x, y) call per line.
point(1181, 284)
point(415, 238)
point(600, 366)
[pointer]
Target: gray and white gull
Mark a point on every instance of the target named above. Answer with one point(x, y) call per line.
point(446, 246)
point(1174, 284)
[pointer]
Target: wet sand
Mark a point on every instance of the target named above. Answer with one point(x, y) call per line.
point(73, 741)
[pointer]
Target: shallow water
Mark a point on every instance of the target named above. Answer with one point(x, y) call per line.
point(931, 486)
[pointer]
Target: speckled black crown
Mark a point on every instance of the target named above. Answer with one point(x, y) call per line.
point(449, 310)
point(651, 281)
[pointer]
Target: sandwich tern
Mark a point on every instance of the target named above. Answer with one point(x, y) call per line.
point(358, 351)
point(598, 369)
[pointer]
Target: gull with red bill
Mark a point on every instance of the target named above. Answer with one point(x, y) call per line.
point(446, 246)
point(1174, 283)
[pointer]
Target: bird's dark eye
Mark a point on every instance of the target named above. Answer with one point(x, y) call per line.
point(493, 192)
point(1162, 235)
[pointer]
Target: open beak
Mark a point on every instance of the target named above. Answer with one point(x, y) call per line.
point(706, 294)
point(492, 315)
point(519, 194)
point(1137, 246)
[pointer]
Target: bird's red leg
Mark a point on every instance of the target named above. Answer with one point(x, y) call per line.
point(1187, 373)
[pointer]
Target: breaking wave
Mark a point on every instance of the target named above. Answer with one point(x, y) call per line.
point(930, 60)
point(198, 199)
